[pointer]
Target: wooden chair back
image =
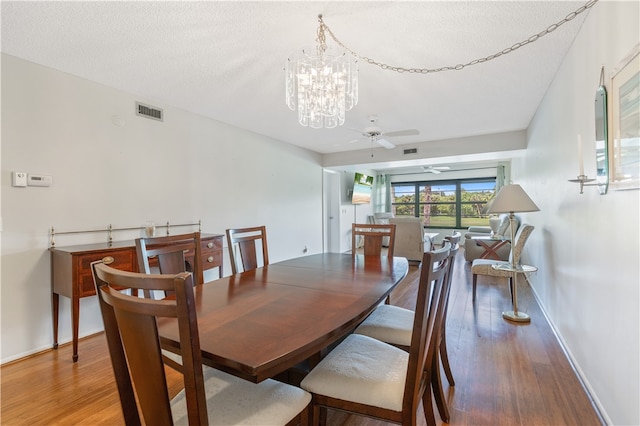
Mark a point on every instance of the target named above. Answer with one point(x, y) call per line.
point(373, 235)
point(441, 354)
point(134, 345)
point(246, 240)
point(173, 254)
point(428, 314)
point(454, 238)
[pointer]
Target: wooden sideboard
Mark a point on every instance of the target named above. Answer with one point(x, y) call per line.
point(71, 273)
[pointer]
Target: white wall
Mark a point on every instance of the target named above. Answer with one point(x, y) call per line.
point(351, 213)
point(587, 246)
point(181, 170)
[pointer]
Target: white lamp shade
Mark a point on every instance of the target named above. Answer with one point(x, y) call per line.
point(512, 199)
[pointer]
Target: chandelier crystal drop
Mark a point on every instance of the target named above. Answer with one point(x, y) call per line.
point(321, 86)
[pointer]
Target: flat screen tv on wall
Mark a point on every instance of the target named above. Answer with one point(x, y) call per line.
point(362, 188)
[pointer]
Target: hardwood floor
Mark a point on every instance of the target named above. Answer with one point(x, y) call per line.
point(505, 374)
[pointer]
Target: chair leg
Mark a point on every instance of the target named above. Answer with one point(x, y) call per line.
point(302, 419)
point(475, 282)
point(438, 391)
point(318, 415)
point(427, 406)
point(444, 356)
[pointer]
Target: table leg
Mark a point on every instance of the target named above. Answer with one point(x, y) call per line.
point(515, 315)
point(490, 250)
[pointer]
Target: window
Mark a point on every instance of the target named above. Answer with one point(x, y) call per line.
point(444, 204)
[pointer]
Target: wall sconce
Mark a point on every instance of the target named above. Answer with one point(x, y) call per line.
point(584, 180)
point(602, 152)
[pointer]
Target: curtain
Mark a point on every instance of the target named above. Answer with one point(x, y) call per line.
point(500, 177)
point(382, 191)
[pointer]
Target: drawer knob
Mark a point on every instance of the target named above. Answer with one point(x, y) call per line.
point(210, 245)
point(210, 259)
point(107, 260)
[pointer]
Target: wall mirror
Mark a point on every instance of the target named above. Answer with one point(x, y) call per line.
point(602, 157)
point(624, 123)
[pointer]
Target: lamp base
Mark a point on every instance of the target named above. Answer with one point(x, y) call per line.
point(516, 316)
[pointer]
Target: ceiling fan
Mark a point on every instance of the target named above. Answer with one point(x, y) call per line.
point(374, 133)
point(436, 169)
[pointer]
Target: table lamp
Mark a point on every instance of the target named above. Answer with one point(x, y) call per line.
point(512, 199)
point(494, 219)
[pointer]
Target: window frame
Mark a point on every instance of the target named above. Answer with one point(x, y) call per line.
point(458, 203)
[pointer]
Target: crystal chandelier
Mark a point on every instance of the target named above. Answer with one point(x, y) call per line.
point(321, 86)
point(325, 85)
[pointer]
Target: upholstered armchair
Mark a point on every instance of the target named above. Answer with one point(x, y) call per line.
point(382, 218)
point(410, 239)
point(473, 249)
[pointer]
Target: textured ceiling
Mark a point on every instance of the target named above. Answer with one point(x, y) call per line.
point(225, 60)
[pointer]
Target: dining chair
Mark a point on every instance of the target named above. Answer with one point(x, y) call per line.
point(373, 235)
point(245, 240)
point(442, 355)
point(454, 238)
point(365, 376)
point(394, 325)
point(485, 266)
point(173, 254)
point(209, 396)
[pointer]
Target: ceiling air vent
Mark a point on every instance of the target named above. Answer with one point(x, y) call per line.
point(411, 151)
point(148, 111)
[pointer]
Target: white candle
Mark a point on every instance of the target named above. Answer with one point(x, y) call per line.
point(580, 159)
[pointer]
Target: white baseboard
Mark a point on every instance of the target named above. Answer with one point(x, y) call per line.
point(48, 347)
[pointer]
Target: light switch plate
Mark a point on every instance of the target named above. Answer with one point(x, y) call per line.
point(18, 179)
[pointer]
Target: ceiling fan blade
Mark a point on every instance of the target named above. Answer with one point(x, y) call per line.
point(385, 143)
point(354, 129)
point(408, 132)
point(434, 169)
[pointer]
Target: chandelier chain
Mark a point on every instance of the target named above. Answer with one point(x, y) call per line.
point(321, 39)
point(535, 37)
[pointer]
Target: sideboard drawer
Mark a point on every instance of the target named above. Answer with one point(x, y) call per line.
point(212, 243)
point(211, 260)
point(123, 260)
point(211, 249)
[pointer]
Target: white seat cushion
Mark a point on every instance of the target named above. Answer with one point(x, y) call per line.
point(364, 370)
point(485, 267)
point(390, 324)
point(235, 401)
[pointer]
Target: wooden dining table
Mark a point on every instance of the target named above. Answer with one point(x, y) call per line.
point(258, 324)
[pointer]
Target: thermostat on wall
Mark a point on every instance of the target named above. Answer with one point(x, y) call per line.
point(39, 180)
point(19, 179)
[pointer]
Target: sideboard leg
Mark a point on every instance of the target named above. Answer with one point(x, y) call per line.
point(55, 304)
point(75, 321)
